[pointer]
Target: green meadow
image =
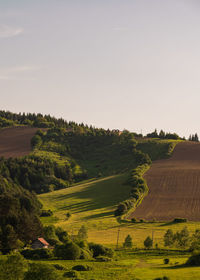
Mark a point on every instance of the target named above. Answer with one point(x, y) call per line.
point(92, 204)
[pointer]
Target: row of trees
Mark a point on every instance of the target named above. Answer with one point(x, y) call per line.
point(194, 137)
point(46, 121)
point(179, 239)
point(128, 242)
point(182, 239)
point(163, 135)
point(138, 187)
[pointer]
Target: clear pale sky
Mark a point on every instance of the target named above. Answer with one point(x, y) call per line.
point(127, 64)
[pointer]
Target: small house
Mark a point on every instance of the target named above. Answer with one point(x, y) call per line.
point(40, 243)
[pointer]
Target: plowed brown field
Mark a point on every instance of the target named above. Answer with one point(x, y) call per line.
point(174, 186)
point(16, 141)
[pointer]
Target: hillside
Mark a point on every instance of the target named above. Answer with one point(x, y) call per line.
point(92, 203)
point(173, 186)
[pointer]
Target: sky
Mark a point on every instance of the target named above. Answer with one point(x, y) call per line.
point(118, 64)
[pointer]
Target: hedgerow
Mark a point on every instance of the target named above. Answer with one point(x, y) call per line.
point(139, 189)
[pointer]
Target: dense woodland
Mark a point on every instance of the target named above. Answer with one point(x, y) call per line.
point(19, 211)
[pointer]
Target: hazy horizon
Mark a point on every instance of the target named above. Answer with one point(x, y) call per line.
point(113, 64)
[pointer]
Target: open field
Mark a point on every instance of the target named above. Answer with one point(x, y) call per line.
point(132, 265)
point(16, 141)
point(174, 186)
point(92, 204)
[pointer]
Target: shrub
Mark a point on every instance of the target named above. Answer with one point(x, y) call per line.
point(121, 209)
point(103, 259)
point(59, 266)
point(68, 215)
point(71, 274)
point(62, 234)
point(162, 278)
point(134, 220)
point(37, 254)
point(100, 250)
point(179, 220)
point(86, 254)
point(36, 141)
point(194, 260)
point(138, 185)
point(124, 206)
point(46, 213)
point(166, 261)
point(68, 251)
point(41, 272)
point(13, 267)
point(81, 267)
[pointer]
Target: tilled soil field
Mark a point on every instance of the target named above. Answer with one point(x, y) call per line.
point(174, 187)
point(16, 141)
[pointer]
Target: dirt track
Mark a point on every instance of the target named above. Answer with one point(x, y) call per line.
point(174, 186)
point(16, 142)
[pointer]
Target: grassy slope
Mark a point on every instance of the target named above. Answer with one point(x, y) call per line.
point(129, 265)
point(92, 202)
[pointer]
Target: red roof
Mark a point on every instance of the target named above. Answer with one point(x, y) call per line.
point(44, 242)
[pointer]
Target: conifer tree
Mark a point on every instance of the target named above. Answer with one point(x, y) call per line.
point(128, 242)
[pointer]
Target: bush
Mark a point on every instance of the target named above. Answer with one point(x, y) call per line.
point(81, 267)
point(71, 274)
point(166, 261)
point(62, 235)
point(194, 260)
point(134, 220)
point(86, 254)
point(124, 206)
point(37, 254)
point(100, 250)
point(179, 220)
point(103, 259)
point(59, 266)
point(68, 251)
point(162, 278)
point(46, 213)
point(13, 267)
point(68, 215)
point(41, 272)
point(36, 141)
point(138, 185)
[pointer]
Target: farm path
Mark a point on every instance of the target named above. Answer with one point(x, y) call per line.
point(174, 186)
